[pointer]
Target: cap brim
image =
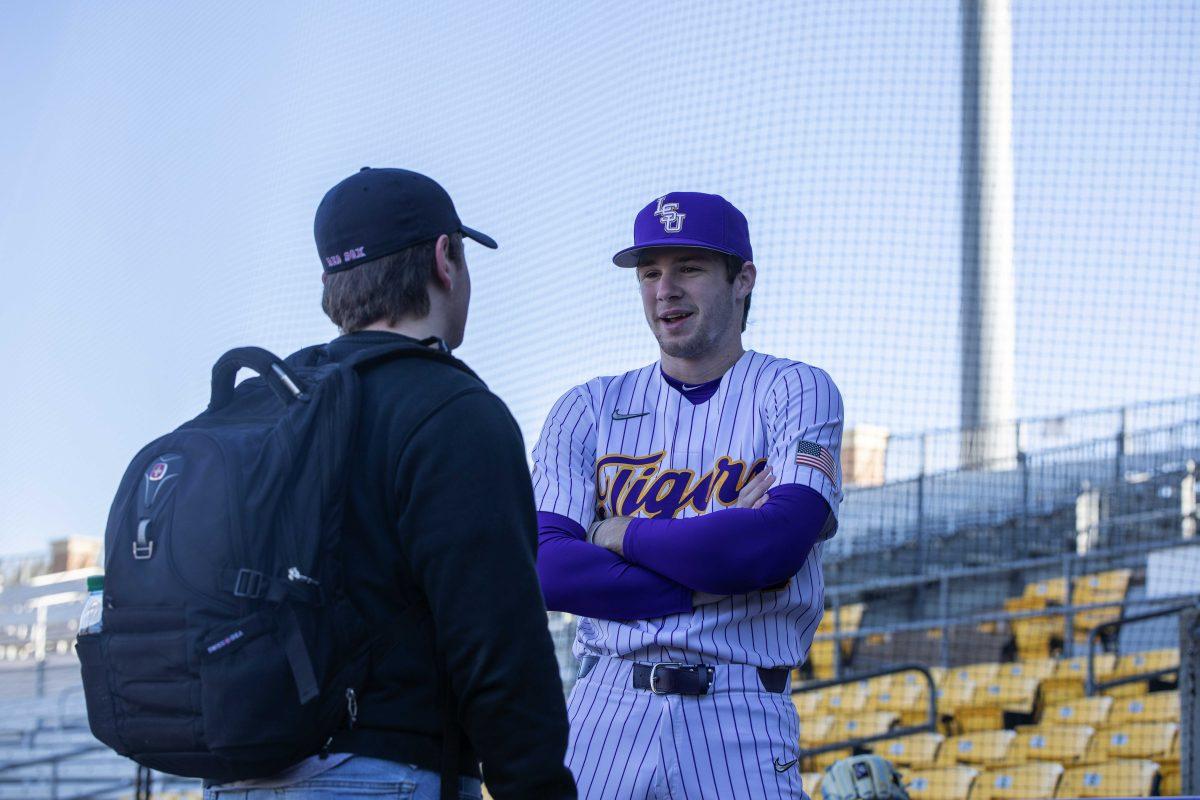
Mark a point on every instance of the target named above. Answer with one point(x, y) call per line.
point(629, 256)
point(482, 238)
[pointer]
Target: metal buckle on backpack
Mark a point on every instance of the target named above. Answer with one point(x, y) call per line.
point(143, 548)
point(249, 583)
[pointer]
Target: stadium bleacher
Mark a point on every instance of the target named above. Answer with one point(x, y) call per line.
point(1019, 728)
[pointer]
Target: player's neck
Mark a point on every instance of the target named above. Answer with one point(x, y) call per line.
point(703, 369)
point(433, 324)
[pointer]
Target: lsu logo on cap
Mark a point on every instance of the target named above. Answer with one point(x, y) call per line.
point(668, 214)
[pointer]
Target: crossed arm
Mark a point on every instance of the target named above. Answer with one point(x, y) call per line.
point(644, 568)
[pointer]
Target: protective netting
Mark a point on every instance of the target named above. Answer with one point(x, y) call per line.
point(160, 181)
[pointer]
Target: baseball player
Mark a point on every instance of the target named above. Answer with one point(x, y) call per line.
point(682, 507)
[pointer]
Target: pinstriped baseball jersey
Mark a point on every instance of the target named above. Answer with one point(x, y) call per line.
point(633, 445)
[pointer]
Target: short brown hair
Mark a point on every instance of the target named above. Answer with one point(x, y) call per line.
point(389, 288)
point(733, 268)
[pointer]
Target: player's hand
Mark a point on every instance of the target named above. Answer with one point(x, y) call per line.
point(754, 493)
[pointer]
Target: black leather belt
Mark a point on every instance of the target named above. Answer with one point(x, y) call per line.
point(686, 679)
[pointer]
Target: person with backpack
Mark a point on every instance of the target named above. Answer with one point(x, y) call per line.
point(325, 585)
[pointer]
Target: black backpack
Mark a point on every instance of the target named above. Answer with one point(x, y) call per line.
point(228, 648)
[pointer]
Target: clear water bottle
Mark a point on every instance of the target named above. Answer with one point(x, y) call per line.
point(89, 620)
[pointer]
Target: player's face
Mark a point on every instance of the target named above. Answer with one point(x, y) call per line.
point(691, 306)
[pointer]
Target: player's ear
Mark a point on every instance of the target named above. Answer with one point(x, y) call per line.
point(444, 267)
point(743, 283)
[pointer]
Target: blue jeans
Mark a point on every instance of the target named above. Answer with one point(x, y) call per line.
point(359, 776)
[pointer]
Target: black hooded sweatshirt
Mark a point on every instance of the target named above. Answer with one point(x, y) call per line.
point(439, 546)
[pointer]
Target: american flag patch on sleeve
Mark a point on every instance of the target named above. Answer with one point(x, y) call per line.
point(811, 454)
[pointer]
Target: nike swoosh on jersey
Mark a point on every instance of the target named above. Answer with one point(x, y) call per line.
point(784, 767)
point(687, 388)
point(618, 416)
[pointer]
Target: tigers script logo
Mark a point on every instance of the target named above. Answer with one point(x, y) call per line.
point(629, 484)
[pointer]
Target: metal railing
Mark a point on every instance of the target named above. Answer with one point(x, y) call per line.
point(944, 624)
point(1092, 686)
point(1035, 485)
point(1070, 566)
point(942, 450)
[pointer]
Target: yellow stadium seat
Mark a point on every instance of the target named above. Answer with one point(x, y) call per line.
point(915, 750)
point(1008, 693)
point(844, 700)
point(1151, 740)
point(956, 687)
point(1131, 778)
point(817, 730)
point(1105, 663)
point(875, 686)
point(1138, 689)
point(888, 683)
point(984, 747)
point(811, 781)
point(1172, 780)
point(1020, 781)
point(821, 653)
point(953, 696)
point(867, 724)
point(1039, 669)
point(948, 783)
point(984, 672)
point(1058, 690)
point(1064, 744)
point(989, 702)
point(1101, 587)
point(1053, 590)
point(1156, 707)
point(1148, 661)
point(900, 697)
point(808, 704)
point(1034, 636)
point(971, 719)
point(820, 658)
point(882, 683)
point(1024, 603)
point(1092, 711)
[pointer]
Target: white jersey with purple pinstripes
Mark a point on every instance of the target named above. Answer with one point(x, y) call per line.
point(632, 445)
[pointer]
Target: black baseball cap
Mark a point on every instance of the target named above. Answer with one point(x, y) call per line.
point(377, 212)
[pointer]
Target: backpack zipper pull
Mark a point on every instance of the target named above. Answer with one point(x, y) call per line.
point(352, 706)
point(295, 575)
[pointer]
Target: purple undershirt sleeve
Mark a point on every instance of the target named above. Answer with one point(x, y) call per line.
point(735, 550)
point(581, 578)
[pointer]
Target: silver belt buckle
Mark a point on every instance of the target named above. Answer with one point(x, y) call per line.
point(654, 668)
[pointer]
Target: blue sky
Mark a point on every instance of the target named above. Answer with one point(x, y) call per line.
point(160, 164)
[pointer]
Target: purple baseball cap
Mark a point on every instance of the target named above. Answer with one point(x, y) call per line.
point(689, 219)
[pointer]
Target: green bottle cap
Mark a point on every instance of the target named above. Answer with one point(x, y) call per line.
point(95, 583)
